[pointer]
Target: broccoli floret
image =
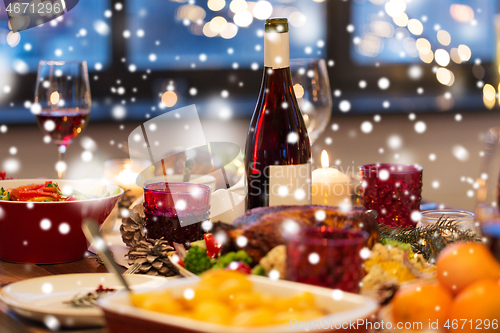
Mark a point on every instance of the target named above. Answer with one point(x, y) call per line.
point(243, 257)
point(5, 196)
point(229, 257)
point(225, 260)
point(259, 270)
point(196, 260)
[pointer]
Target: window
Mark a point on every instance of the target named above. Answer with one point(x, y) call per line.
point(168, 35)
point(378, 37)
point(84, 33)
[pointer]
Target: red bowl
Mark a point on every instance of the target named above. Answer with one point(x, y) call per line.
point(24, 238)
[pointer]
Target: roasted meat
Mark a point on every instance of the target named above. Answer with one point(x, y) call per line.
point(263, 227)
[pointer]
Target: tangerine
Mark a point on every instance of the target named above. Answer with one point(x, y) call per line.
point(421, 302)
point(477, 307)
point(461, 264)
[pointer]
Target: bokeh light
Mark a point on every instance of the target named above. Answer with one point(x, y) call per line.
point(442, 57)
point(169, 98)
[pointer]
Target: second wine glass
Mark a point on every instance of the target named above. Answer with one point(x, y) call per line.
point(62, 103)
point(312, 89)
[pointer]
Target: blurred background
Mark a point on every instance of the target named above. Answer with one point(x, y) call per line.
point(411, 81)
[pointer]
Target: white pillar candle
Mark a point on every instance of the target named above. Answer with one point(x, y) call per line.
point(330, 186)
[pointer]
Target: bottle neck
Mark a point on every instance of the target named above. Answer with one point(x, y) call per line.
point(276, 50)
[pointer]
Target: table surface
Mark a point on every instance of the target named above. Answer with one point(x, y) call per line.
point(10, 272)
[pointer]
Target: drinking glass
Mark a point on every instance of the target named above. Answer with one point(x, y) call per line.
point(326, 257)
point(173, 211)
point(491, 233)
point(393, 191)
point(312, 89)
point(62, 103)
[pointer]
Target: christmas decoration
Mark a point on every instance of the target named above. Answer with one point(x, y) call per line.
point(89, 300)
point(153, 257)
point(133, 227)
point(429, 240)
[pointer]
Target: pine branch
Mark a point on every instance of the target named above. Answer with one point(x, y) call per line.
point(88, 300)
point(431, 239)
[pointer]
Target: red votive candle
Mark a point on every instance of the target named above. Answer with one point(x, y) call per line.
point(393, 191)
point(174, 210)
point(326, 257)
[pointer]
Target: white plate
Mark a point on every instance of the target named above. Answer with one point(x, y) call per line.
point(41, 299)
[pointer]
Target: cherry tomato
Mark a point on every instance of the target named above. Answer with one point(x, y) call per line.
point(240, 267)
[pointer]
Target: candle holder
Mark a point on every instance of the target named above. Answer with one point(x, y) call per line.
point(464, 220)
point(124, 173)
point(173, 211)
point(393, 191)
point(326, 257)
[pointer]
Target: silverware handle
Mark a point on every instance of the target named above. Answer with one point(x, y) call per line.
point(91, 231)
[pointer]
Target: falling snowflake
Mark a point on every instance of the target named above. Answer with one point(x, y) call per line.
point(345, 106)
point(64, 228)
point(395, 141)
point(292, 137)
point(460, 153)
point(420, 127)
point(313, 258)
point(366, 127)
point(384, 83)
point(45, 224)
point(416, 216)
point(241, 241)
point(383, 175)
point(320, 215)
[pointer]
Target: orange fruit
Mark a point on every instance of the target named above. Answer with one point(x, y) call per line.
point(421, 302)
point(479, 303)
point(461, 264)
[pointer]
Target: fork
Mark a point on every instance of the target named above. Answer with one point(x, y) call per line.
point(132, 269)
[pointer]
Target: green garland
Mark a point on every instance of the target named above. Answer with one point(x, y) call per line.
point(431, 239)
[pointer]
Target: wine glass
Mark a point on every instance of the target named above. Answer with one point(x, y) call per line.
point(312, 89)
point(62, 103)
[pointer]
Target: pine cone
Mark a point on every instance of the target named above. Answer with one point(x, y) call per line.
point(152, 255)
point(133, 228)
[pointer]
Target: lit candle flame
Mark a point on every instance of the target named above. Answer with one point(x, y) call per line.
point(325, 162)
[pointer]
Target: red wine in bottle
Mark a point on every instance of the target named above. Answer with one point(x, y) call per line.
point(277, 152)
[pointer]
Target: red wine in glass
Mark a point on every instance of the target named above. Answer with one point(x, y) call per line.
point(62, 102)
point(63, 125)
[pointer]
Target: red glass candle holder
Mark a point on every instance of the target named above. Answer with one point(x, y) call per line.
point(393, 191)
point(174, 210)
point(326, 257)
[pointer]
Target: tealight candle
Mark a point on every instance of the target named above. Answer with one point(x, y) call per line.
point(124, 174)
point(330, 186)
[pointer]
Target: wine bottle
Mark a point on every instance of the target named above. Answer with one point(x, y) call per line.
point(277, 152)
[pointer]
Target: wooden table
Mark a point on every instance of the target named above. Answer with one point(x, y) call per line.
point(9, 273)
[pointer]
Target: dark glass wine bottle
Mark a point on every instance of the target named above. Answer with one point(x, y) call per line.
point(278, 152)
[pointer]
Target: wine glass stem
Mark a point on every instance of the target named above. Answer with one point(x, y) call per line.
point(61, 166)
